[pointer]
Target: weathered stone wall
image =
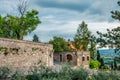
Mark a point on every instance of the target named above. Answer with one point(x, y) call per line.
point(81, 55)
point(24, 54)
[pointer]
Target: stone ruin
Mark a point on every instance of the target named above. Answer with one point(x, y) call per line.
point(21, 54)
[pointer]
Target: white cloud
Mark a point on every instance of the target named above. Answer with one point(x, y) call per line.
point(61, 20)
point(68, 29)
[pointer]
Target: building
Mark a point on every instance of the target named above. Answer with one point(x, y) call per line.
point(77, 58)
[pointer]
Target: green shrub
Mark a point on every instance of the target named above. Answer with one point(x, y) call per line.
point(66, 72)
point(18, 75)
point(105, 68)
point(102, 75)
point(4, 73)
point(79, 74)
point(94, 64)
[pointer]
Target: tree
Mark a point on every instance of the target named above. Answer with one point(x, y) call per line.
point(116, 14)
point(112, 37)
point(102, 62)
point(59, 44)
point(100, 59)
point(22, 7)
point(98, 56)
point(115, 64)
point(82, 37)
point(16, 27)
point(92, 48)
point(35, 38)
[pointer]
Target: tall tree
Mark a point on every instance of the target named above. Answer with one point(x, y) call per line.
point(35, 38)
point(22, 7)
point(92, 48)
point(116, 14)
point(112, 37)
point(59, 44)
point(82, 37)
point(16, 27)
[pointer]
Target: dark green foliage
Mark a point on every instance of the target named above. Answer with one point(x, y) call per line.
point(115, 64)
point(5, 73)
point(104, 67)
point(118, 68)
point(112, 37)
point(102, 75)
point(82, 37)
point(66, 73)
point(98, 55)
point(35, 38)
point(18, 75)
point(59, 44)
point(79, 74)
point(32, 77)
point(92, 47)
point(116, 14)
point(102, 62)
point(16, 27)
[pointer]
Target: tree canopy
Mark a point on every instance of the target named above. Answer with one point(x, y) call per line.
point(82, 37)
point(59, 44)
point(16, 27)
point(112, 37)
point(35, 38)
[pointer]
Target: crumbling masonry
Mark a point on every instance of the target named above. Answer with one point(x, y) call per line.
point(24, 54)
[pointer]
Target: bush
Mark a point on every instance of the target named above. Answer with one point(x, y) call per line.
point(44, 74)
point(102, 75)
point(118, 68)
point(105, 68)
point(66, 72)
point(79, 74)
point(18, 75)
point(94, 64)
point(4, 73)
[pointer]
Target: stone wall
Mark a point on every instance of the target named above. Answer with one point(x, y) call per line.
point(24, 54)
point(80, 60)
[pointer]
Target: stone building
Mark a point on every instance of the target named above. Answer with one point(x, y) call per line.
point(76, 58)
point(24, 54)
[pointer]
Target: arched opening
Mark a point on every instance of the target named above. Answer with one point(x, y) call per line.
point(69, 57)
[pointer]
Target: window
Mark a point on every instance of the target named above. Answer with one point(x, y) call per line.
point(83, 58)
point(88, 58)
point(60, 58)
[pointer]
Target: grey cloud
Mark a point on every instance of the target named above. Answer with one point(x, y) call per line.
point(70, 6)
point(91, 6)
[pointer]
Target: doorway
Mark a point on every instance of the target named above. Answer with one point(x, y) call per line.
point(69, 57)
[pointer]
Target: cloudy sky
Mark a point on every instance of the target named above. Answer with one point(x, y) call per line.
point(62, 17)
